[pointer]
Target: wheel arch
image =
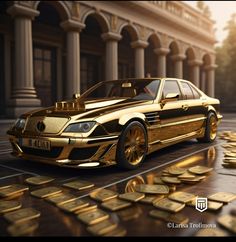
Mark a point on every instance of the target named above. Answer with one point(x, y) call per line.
point(127, 118)
point(211, 109)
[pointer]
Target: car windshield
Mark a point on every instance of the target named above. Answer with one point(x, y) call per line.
point(134, 89)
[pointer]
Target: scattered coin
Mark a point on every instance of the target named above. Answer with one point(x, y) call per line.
point(169, 205)
point(79, 185)
point(117, 232)
point(132, 196)
point(8, 206)
point(149, 199)
point(22, 229)
point(45, 192)
point(14, 196)
point(73, 205)
point(224, 197)
point(158, 180)
point(228, 221)
point(93, 217)
point(187, 175)
point(103, 195)
point(199, 170)
point(61, 198)
point(102, 228)
point(38, 180)
point(115, 204)
point(169, 217)
point(171, 180)
point(86, 209)
point(182, 197)
point(130, 213)
point(152, 189)
point(12, 190)
point(130, 186)
point(21, 215)
point(211, 232)
point(174, 170)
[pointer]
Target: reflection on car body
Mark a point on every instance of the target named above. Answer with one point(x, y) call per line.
point(116, 122)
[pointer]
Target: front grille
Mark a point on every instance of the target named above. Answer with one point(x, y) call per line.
point(53, 153)
point(152, 117)
point(83, 153)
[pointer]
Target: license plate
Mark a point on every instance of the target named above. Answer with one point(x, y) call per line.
point(36, 143)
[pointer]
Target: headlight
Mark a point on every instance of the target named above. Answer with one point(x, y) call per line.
point(82, 127)
point(20, 123)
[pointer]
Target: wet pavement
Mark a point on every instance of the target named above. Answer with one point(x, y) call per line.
point(54, 221)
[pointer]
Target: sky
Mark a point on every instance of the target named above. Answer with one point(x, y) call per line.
point(220, 12)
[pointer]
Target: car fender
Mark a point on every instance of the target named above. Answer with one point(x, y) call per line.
point(127, 117)
point(211, 109)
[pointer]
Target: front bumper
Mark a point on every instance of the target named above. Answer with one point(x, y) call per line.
point(68, 151)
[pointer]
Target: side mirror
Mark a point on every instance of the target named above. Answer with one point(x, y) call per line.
point(169, 97)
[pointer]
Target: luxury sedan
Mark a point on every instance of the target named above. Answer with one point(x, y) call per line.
point(116, 122)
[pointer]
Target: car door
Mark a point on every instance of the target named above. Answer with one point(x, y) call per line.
point(194, 112)
point(172, 112)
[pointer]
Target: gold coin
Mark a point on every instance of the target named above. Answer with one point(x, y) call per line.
point(102, 228)
point(12, 190)
point(73, 205)
point(21, 215)
point(149, 199)
point(199, 170)
point(211, 232)
point(8, 206)
point(158, 180)
point(174, 170)
point(169, 217)
point(187, 175)
point(172, 180)
point(224, 197)
point(130, 186)
point(130, 213)
point(132, 196)
point(93, 217)
point(22, 229)
point(228, 221)
point(38, 180)
point(152, 189)
point(103, 195)
point(14, 196)
point(182, 197)
point(117, 232)
point(61, 198)
point(79, 185)
point(115, 204)
point(169, 205)
point(86, 209)
point(210, 204)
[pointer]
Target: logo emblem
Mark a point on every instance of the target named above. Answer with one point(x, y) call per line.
point(41, 126)
point(201, 204)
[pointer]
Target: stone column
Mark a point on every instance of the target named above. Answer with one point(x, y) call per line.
point(195, 71)
point(73, 29)
point(210, 73)
point(111, 54)
point(161, 61)
point(23, 95)
point(139, 47)
point(178, 65)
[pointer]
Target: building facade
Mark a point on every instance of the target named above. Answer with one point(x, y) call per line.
point(52, 49)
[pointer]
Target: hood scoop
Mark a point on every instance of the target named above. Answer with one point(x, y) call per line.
point(76, 104)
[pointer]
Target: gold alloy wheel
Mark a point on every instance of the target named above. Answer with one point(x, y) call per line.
point(135, 145)
point(213, 127)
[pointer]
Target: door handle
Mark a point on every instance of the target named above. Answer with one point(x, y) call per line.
point(185, 107)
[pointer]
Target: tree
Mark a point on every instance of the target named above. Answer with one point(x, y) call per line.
point(226, 60)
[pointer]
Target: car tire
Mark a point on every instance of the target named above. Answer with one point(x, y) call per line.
point(210, 129)
point(132, 146)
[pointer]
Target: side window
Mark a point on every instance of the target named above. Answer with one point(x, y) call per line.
point(187, 91)
point(195, 93)
point(171, 86)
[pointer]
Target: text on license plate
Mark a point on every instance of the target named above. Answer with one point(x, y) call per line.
point(38, 144)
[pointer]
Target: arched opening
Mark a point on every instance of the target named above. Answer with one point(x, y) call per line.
point(151, 60)
point(48, 46)
point(174, 50)
point(187, 67)
point(92, 53)
point(126, 53)
point(6, 26)
point(203, 73)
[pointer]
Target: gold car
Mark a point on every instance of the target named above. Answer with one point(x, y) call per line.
point(116, 122)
